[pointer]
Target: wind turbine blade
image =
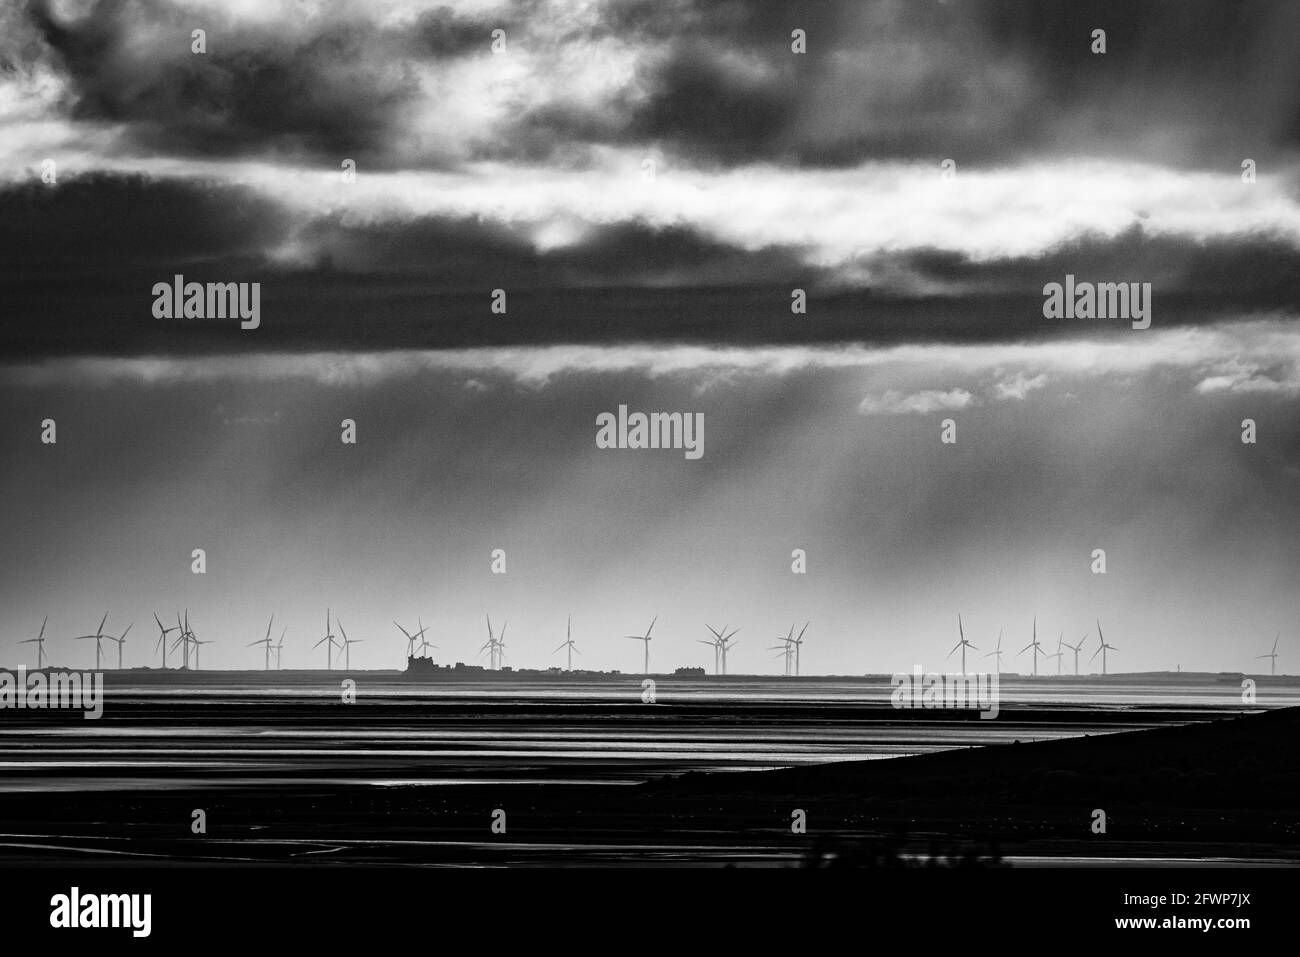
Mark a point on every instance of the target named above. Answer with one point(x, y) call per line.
point(954, 651)
point(652, 626)
point(100, 629)
point(1026, 648)
point(1095, 654)
point(268, 626)
point(801, 630)
point(123, 635)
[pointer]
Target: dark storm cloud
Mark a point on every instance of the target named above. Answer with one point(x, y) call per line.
point(1185, 84)
point(84, 257)
point(328, 89)
point(102, 221)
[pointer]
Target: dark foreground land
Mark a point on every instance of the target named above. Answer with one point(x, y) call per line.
point(1223, 790)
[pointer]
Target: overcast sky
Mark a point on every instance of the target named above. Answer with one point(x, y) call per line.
point(526, 170)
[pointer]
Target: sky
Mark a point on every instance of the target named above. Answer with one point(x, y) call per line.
point(648, 183)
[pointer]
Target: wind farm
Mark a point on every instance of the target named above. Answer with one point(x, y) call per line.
point(419, 650)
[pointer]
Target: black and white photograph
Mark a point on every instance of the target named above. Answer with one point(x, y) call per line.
point(517, 439)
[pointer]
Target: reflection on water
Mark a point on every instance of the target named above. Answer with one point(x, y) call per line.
point(267, 728)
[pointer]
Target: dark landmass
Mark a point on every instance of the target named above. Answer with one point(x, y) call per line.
point(1229, 786)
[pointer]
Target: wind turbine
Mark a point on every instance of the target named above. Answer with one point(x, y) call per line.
point(329, 648)
point(786, 649)
point(182, 642)
point(98, 636)
point(265, 641)
point(996, 653)
point(424, 642)
point(1102, 650)
point(410, 639)
point(798, 645)
point(186, 639)
point(568, 642)
point(186, 636)
point(717, 654)
point(39, 641)
point(347, 644)
point(1076, 649)
point(1038, 649)
point(646, 639)
point(121, 640)
point(162, 638)
point(963, 644)
point(1272, 655)
point(279, 648)
point(494, 645)
point(197, 643)
point(1059, 654)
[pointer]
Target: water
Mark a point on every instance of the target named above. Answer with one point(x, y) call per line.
point(263, 735)
point(257, 730)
